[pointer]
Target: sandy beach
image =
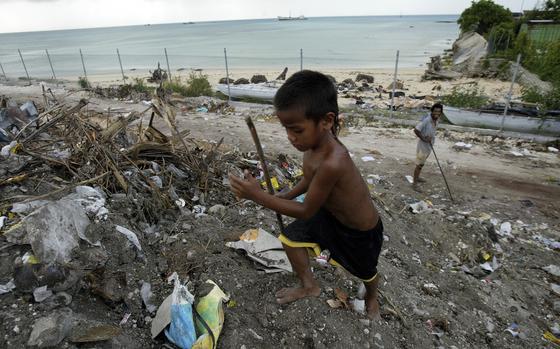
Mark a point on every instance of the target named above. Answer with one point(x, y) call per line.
point(411, 77)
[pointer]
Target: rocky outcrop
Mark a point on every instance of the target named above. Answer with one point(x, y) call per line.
point(241, 81)
point(529, 80)
point(468, 50)
point(436, 71)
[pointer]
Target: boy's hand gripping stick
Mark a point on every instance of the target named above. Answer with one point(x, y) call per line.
point(260, 153)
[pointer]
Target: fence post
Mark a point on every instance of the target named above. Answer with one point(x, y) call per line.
point(508, 97)
point(120, 63)
point(50, 62)
point(84, 66)
point(394, 83)
point(227, 76)
point(168, 69)
point(300, 59)
point(24, 67)
point(3, 73)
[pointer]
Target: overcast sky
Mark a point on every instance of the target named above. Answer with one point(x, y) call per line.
point(35, 15)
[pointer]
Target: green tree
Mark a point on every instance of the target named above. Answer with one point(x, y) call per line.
point(482, 16)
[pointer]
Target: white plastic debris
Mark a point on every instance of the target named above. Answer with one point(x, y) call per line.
point(420, 207)
point(516, 153)
point(146, 293)
point(130, 236)
point(180, 202)
point(462, 146)
point(490, 267)
point(7, 149)
point(368, 158)
point(410, 179)
point(199, 210)
point(7, 287)
point(552, 150)
point(41, 293)
point(505, 229)
point(358, 305)
point(552, 270)
point(2, 221)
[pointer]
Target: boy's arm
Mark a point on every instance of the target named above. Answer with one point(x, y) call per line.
point(320, 188)
point(297, 190)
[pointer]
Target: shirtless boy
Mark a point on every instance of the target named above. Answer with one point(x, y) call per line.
point(337, 213)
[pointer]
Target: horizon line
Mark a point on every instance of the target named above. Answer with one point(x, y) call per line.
point(217, 20)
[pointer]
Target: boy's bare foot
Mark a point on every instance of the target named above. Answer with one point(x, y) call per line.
point(287, 295)
point(372, 309)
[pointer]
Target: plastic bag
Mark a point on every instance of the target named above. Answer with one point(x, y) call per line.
point(181, 331)
point(211, 320)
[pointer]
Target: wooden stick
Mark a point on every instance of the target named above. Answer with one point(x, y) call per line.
point(263, 164)
point(441, 170)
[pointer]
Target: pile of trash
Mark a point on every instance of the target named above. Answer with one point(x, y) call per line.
point(85, 208)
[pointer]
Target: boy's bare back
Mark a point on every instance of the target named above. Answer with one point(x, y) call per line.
point(349, 200)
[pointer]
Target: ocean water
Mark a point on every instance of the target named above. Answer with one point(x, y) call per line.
point(327, 42)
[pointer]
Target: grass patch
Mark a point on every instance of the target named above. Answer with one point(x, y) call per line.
point(83, 82)
point(466, 97)
point(196, 85)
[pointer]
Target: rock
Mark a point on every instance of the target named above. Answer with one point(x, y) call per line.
point(398, 86)
point(348, 83)
point(225, 81)
point(109, 287)
point(49, 331)
point(366, 77)
point(468, 50)
point(258, 78)
point(530, 80)
point(241, 81)
point(217, 210)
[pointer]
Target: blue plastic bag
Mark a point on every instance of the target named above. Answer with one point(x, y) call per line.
point(181, 331)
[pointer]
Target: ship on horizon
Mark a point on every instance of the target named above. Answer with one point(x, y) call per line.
point(290, 18)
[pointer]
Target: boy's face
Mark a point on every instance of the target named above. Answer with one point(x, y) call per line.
point(304, 133)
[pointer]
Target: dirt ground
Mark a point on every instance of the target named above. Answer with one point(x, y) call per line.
point(434, 292)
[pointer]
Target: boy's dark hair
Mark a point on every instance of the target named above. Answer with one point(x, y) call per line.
point(437, 106)
point(311, 91)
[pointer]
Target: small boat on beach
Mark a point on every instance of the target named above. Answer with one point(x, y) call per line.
point(265, 92)
point(525, 120)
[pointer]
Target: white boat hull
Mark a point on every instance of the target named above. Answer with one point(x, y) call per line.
point(524, 124)
point(256, 91)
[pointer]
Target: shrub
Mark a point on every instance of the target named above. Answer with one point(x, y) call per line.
point(466, 97)
point(198, 85)
point(482, 16)
point(176, 86)
point(548, 101)
point(83, 82)
point(140, 86)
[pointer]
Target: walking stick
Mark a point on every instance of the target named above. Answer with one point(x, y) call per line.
point(260, 153)
point(440, 169)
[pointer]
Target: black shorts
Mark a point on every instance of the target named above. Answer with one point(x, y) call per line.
point(356, 251)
